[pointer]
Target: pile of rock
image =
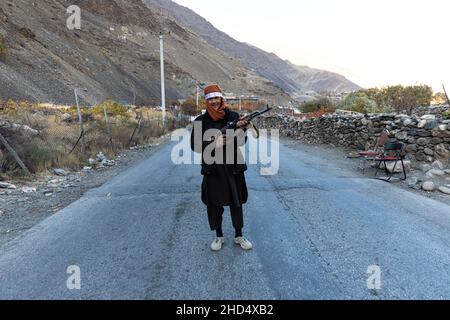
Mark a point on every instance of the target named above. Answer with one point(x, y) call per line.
point(104, 161)
point(101, 161)
point(6, 124)
point(435, 109)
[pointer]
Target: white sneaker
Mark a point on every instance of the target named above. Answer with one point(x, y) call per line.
point(244, 243)
point(216, 245)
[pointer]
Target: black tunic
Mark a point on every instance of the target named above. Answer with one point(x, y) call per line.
point(223, 184)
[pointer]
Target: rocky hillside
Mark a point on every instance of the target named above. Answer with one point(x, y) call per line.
point(114, 55)
point(296, 80)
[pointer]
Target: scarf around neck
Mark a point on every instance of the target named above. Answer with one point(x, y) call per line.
point(216, 114)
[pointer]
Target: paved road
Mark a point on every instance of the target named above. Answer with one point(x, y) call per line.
point(316, 229)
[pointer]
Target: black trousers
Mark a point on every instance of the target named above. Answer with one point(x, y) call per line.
point(215, 216)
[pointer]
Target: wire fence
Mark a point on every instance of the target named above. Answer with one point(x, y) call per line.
point(49, 138)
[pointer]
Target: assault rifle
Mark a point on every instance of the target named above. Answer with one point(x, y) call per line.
point(233, 124)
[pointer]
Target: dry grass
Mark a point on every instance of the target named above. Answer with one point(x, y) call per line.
point(58, 133)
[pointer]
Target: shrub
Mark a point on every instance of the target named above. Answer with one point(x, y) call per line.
point(323, 104)
point(189, 106)
point(391, 98)
point(365, 102)
point(113, 108)
point(446, 114)
point(50, 147)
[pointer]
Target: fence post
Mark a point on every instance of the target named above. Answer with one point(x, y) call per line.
point(135, 128)
point(14, 154)
point(80, 120)
point(108, 127)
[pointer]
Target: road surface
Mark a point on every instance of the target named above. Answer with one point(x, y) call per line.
point(319, 232)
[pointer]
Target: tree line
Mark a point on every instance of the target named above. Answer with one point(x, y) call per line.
point(400, 99)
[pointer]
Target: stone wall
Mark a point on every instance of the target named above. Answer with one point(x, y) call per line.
point(426, 138)
point(435, 109)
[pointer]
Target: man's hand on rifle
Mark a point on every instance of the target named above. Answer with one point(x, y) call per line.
point(242, 124)
point(221, 139)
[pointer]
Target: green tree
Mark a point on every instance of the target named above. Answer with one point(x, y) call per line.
point(316, 105)
point(189, 107)
point(376, 95)
point(405, 99)
point(391, 98)
point(359, 102)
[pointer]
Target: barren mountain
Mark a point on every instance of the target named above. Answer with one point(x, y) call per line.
point(294, 79)
point(115, 54)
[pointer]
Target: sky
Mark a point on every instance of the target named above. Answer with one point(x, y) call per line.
point(372, 43)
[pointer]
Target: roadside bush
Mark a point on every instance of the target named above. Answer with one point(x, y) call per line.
point(391, 98)
point(113, 108)
point(52, 142)
point(359, 102)
point(39, 152)
point(189, 107)
point(446, 114)
point(323, 104)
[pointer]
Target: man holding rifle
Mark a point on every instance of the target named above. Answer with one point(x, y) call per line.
point(223, 181)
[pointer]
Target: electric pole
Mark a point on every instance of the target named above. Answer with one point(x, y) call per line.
point(196, 99)
point(163, 90)
point(162, 33)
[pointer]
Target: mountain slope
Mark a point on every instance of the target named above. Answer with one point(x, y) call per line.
point(293, 79)
point(114, 55)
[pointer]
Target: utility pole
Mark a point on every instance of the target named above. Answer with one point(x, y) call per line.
point(196, 99)
point(164, 16)
point(163, 90)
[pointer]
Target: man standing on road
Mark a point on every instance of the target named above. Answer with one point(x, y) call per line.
point(223, 180)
